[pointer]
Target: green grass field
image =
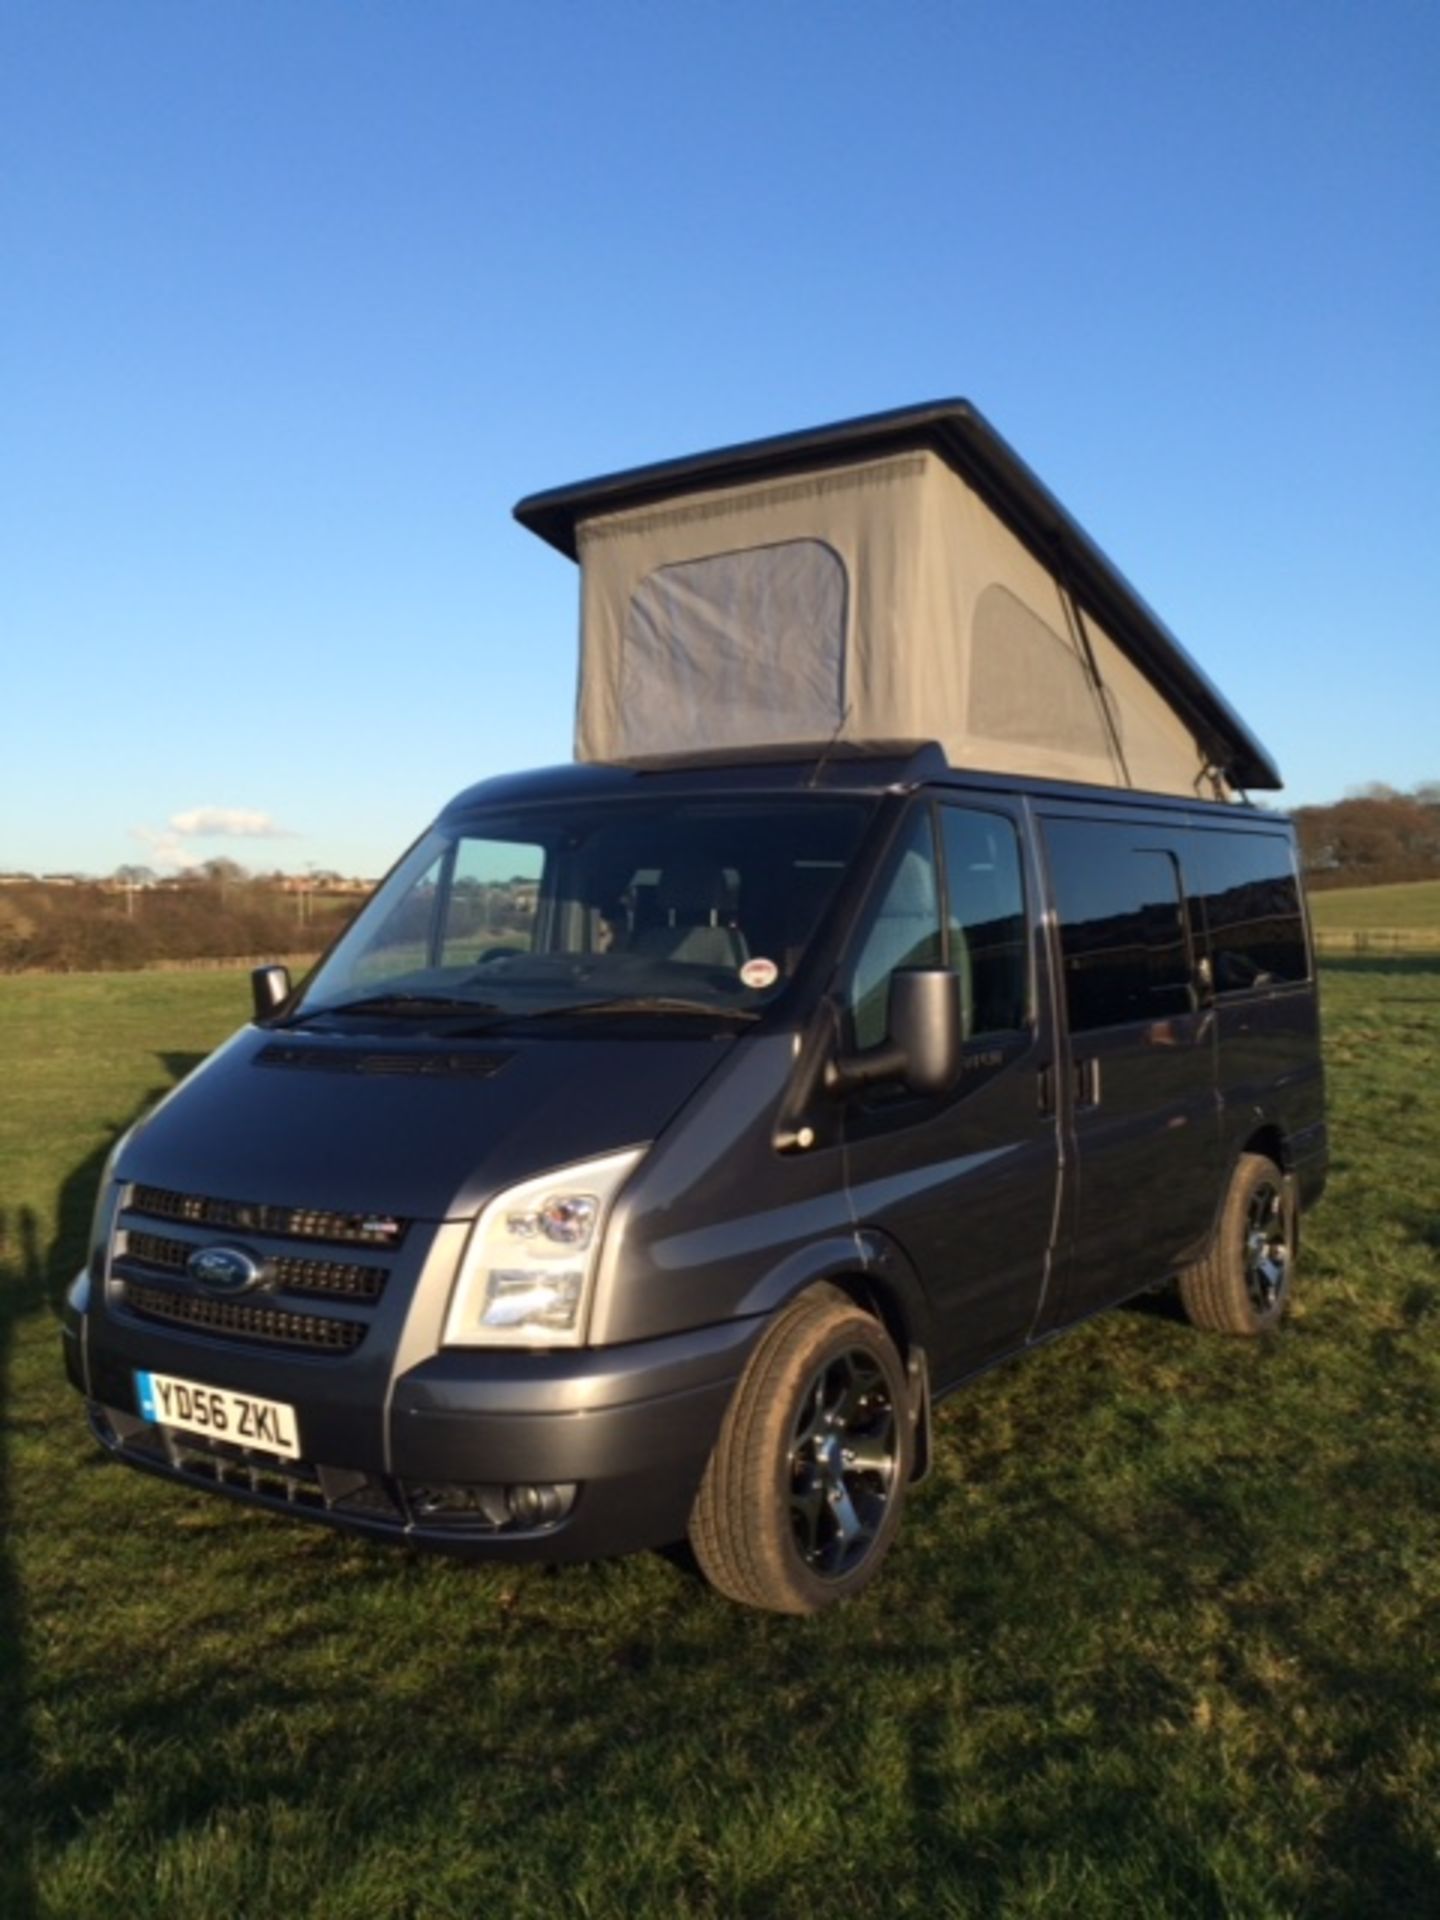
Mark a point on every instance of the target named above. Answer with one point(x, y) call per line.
point(1161, 1635)
point(1413, 905)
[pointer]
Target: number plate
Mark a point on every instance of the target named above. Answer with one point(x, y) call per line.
point(267, 1425)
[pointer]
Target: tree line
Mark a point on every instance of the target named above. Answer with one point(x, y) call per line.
point(1374, 835)
point(216, 912)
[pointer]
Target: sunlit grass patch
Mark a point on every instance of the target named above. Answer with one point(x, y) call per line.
point(1159, 1636)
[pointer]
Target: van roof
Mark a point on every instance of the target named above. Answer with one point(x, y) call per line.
point(886, 766)
point(960, 434)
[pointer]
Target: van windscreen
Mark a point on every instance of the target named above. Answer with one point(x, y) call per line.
point(630, 906)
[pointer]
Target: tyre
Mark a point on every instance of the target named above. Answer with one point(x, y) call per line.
point(802, 1495)
point(1243, 1283)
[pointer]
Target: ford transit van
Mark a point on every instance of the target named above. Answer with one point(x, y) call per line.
point(672, 1130)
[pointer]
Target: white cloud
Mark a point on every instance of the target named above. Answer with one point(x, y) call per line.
point(169, 846)
point(240, 823)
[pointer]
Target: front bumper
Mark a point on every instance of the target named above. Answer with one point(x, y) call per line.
point(629, 1429)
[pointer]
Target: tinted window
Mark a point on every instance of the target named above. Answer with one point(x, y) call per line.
point(1122, 934)
point(1250, 901)
point(904, 930)
point(985, 918)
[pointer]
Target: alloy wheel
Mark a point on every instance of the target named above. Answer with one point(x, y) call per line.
point(844, 1450)
point(1267, 1247)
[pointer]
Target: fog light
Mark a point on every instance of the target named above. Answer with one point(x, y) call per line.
point(538, 1506)
point(486, 1508)
point(479, 1505)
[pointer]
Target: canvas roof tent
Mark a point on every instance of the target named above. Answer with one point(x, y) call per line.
point(900, 577)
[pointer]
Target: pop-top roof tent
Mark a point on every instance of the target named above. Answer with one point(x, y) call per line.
point(904, 576)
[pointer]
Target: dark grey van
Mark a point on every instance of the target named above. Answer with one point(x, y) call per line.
point(664, 1139)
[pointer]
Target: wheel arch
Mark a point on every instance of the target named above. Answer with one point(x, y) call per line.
point(1263, 1135)
point(1269, 1139)
point(878, 1276)
point(869, 1266)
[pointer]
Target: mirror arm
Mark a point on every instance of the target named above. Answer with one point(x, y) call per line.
point(847, 1072)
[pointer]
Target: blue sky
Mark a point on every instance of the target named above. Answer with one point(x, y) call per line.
point(298, 296)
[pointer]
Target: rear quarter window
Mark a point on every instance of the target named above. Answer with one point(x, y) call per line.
point(1249, 900)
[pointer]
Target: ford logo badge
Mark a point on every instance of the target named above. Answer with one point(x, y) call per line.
point(225, 1269)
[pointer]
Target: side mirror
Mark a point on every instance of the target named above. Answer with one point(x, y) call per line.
point(922, 1046)
point(269, 990)
point(925, 1025)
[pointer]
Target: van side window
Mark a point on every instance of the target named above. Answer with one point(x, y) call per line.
point(904, 929)
point(985, 919)
point(1251, 903)
point(1122, 933)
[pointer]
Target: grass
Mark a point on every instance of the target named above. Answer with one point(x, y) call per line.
point(1160, 1636)
point(1411, 904)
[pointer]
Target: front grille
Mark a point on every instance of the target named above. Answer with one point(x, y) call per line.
point(235, 1319)
point(331, 1279)
point(246, 1216)
point(158, 1252)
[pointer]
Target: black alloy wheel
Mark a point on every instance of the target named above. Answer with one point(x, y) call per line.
point(1242, 1283)
point(803, 1492)
point(1267, 1246)
point(844, 1455)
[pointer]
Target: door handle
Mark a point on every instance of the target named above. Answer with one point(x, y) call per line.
point(1087, 1082)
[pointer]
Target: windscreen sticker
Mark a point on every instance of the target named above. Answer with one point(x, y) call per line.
point(759, 973)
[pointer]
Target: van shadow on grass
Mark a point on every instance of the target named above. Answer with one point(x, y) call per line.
point(33, 1278)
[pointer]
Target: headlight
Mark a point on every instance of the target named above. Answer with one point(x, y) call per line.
point(103, 1213)
point(526, 1275)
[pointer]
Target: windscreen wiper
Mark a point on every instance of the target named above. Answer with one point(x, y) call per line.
point(403, 1005)
point(640, 1004)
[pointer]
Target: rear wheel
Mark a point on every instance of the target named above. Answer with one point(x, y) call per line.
point(802, 1495)
point(1243, 1283)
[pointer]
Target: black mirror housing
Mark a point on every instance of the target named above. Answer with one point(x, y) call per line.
point(269, 990)
point(925, 1025)
point(922, 1047)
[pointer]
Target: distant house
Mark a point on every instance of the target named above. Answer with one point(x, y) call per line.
point(322, 883)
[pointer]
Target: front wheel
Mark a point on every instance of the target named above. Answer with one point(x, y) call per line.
point(802, 1495)
point(1243, 1283)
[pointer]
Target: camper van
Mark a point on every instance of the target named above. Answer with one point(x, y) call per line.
point(899, 976)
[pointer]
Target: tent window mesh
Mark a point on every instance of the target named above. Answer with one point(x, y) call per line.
point(1028, 684)
point(739, 648)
